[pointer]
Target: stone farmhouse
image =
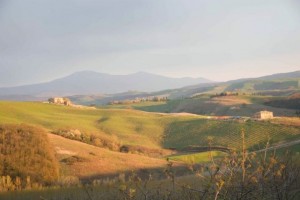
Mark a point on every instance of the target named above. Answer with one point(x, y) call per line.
point(263, 115)
point(60, 100)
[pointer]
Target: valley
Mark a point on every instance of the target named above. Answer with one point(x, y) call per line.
point(157, 134)
point(149, 100)
point(152, 139)
point(120, 127)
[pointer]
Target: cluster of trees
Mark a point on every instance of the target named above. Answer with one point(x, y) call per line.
point(111, 143)
point(137, 149)
point(26, 154)
point(138, 100)
point(222, 94)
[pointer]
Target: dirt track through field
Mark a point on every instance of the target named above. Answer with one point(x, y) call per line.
point(279, 146)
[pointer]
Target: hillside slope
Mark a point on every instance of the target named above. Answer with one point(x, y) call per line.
point(242, 105)
point(152, 130)
point(283, 84)
point(117, 127)
point(290, 102)
point(94, 162)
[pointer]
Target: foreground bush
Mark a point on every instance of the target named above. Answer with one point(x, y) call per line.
point(239, 175)
point(26, 157)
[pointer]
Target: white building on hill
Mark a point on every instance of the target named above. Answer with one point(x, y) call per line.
point(263, 115)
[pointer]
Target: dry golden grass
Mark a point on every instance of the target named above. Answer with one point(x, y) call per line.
point(99, 161)
point(229, 100)
point(289, 121)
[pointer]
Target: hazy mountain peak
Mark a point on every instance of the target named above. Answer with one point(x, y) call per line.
point(142, 72)
point(85, 73)
point(96, 83)
point(91, 82)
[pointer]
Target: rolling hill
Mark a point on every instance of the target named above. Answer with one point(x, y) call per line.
point(242, 105)
point(89, 82)
point(277, 84)
point(291, 102)
point(94, 162)
point(283, 84)
point(132, 127)
point(97, 88)
point(79, 160)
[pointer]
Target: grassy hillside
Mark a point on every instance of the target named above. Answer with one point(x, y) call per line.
point(241, 105)
point(227, 133)
point(140, 128)
point(197, 157)
point(260, 85)
point(26, 151)
point(274, 85)
point(86, 161)
point(291, 102)
point(127, 126)
point(131, 127)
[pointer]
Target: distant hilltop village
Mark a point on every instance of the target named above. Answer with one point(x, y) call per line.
point(261, 115)
point(66, 102)
point(61, 101)
point(139, 100)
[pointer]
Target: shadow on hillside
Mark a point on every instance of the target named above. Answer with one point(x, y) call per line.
point(193, 135)
point(158, 173)
point(216, 107)
point(178, 168)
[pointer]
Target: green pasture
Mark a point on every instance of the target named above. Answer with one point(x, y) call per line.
point(197, 157)
point(147, 129)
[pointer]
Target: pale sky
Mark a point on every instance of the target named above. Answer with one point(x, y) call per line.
point(216, 39)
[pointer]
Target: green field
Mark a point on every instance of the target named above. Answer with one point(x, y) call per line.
point(129, 126)
point(146, 129)
point(204, 105)
point(134, 127)
point(197, 157)
point(227, 133)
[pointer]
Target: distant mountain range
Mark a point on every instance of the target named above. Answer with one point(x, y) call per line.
point(93, 87)
point(89, 82)
point(278, 76)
